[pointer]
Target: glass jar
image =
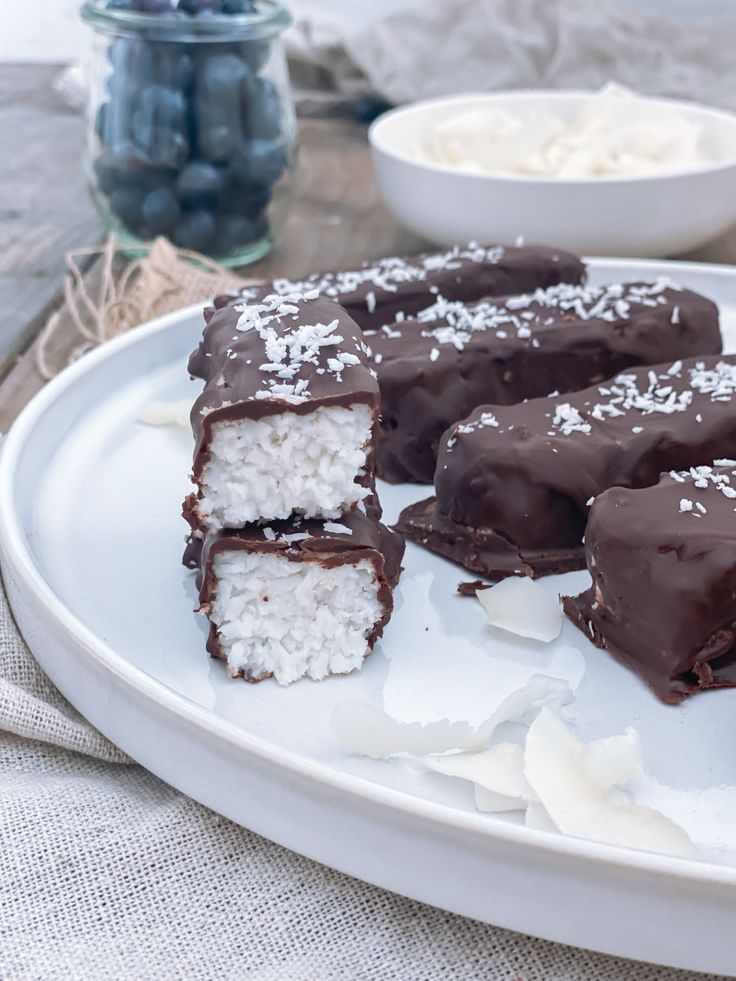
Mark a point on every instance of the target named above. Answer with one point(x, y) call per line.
point(191, 128)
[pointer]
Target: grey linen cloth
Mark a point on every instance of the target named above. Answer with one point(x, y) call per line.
point(439, 47)
point(108, 873)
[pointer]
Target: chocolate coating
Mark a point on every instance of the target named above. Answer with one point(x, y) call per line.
point(514, 482)
point(365, 538)
point(663, 598)
point(436, 369)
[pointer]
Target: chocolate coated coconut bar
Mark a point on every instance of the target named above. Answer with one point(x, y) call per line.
point(663, 564)
point(514, 483)
point(380, 291)
point(433, 370)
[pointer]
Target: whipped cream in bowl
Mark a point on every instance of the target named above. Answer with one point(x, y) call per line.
point(606, 173)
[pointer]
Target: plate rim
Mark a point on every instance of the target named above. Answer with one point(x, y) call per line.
point(15, 553)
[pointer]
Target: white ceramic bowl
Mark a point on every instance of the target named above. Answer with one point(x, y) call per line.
point(650, 216)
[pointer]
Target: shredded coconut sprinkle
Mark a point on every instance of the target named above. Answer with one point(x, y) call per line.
point(704, 477)
point(289, 349)
point(387, 275)
point(336, 528)
point(455, 323)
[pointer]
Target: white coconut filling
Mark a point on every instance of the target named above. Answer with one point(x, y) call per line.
point(270, 468)
point(293, 619)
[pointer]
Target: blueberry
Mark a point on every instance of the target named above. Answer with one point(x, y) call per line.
point(235, 232)
point(261, 162)
point(125, 203)
point(112, 120)
point(133, 63)
point(121, 4)
point(163, 105)
point(160, 211)
point(195, 7)
point(238, 7)
point(153, 6)
point(218, 105)
point(158, 125)
point(247, 199)
point(174, 66)
point(199, 184)
point(262, 108)
point(131, 171)
point(216, 142)
point(195, 230)
point(166, 147)
point(223, 72)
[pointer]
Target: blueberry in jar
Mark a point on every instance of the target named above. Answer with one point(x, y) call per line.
point(158, 125)
point(188, 139)
point(223, 71)
point(160, 211)
point(248, 199)
point(161, 105)
point(133, 64)
point(129, 171)
point(218, 105)
point(261, 108)
point(234, 232)
point(174, 67)
point(260, 162)
point(195, 230)
point(126, 203)
point(199, 184)
point(238, 7)
point(196, 7)
point(153, 6)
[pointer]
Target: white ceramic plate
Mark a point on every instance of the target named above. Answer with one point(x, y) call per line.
point(91, 537)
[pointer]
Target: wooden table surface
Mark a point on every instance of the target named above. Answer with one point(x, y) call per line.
point(45, 210)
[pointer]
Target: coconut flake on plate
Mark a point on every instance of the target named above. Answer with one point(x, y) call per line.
point(537, 818)
point(497, 774)
point(167, 414)
point(577, 786)
point(521, 606)
point(366, 730)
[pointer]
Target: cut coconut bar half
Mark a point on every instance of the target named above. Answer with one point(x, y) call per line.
point(286, 422)
point(299, 599)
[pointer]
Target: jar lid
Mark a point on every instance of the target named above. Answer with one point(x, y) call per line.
point(269, 18)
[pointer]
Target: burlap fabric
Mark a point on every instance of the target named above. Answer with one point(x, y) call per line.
point(108, 873)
